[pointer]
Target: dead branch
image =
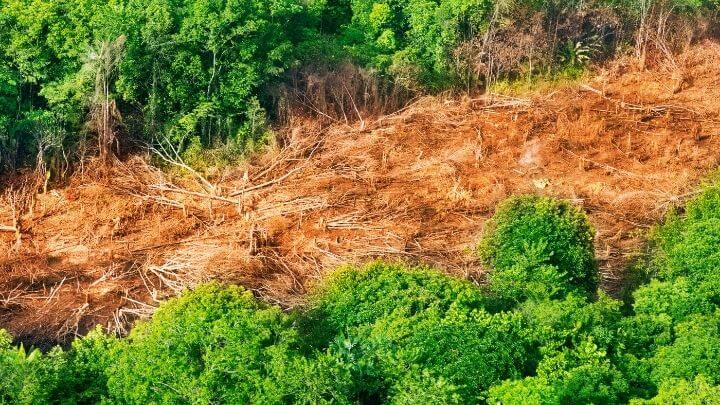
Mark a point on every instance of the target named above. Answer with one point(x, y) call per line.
point(171, 188)
point(657, 109)
point(5, 228)
point(267, 183)
point(171, 155)
point(603, 165)
point(20, 201)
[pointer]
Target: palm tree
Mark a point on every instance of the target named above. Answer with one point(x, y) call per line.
point(102, 61)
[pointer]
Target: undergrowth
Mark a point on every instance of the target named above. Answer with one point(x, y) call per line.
point(540, 82)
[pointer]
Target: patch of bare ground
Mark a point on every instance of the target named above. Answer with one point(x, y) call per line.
point(414, 186)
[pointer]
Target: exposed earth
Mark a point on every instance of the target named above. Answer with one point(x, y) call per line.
point(417, 185)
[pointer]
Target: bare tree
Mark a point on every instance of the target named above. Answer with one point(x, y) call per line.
point(20, 201)
point(49, 135)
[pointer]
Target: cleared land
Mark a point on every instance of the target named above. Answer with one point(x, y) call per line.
point(416, 186)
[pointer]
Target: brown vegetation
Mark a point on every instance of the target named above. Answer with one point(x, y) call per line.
point(416, 185)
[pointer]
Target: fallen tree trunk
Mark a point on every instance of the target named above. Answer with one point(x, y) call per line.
point(4, 228)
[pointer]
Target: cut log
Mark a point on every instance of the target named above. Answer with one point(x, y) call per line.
point(4, 228)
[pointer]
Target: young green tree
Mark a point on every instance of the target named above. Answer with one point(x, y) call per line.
point(211, 345)
point(538, 246)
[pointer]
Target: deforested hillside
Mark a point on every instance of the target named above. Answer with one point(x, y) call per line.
point(625, 145)
point(360, 202)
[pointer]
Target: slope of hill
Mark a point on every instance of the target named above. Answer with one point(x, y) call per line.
point(416, 185)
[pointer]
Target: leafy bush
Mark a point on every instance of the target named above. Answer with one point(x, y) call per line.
point(673, 333)
point(677, 299)
point(29, 376)
point(687, 259)
point(695, 350)
point(317, 378)
point(590, 352)
point(642, 334)
point(451, 349)
point(531, 277)
point(210, 345)
point(584, 376)
point(679, 392)
point(565, 324)
point(538, 244)
point(83, 377)
point(352, 296)
point(578, 346)
point(424, 388)
point(17, 377)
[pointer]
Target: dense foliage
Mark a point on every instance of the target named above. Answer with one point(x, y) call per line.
point(79, 76)
point(415, 327)
point(392, 334)
point(182, 72)
point(539, 247)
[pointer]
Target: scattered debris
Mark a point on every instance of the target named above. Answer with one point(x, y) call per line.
point(414, 186)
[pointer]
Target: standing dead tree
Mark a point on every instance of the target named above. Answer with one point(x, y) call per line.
point(643, 30)
point(19, 200)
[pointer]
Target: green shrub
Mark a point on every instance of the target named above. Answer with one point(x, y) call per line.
point(64, 377)
point(584, 376)
point(681, 392)
point(694, 254)
point(565, 324)
point(695, 350)
point(530, 391)
point(210, 345)
point(540, 241)
point(530, 278)
point(643, 334)
point(673, 333)
point(687, 245)
point(423, 388)
point(706, 205)
point(317, 378)
point(592, 382)
point(27, 377)
point(352, 297)
point(453, 347)
point(83, 378)
point(677, 299)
